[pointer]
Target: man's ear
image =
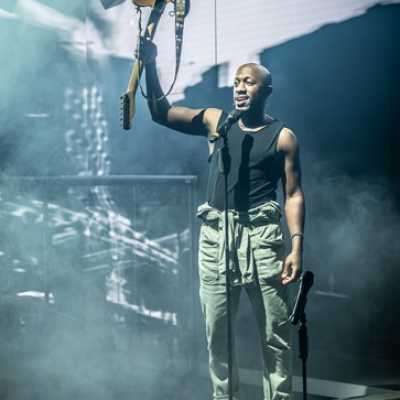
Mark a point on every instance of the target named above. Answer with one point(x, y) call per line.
point(266, 90)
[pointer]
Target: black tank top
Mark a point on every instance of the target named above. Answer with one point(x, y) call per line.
point(256, 167)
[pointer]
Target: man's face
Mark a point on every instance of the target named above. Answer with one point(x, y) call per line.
point(249, 88)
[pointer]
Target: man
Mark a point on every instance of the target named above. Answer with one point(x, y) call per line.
point(263, 151)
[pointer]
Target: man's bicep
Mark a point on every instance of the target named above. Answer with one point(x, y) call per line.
point(292, 169)
point(292, 178)
point(187, 120)
point(192, 121)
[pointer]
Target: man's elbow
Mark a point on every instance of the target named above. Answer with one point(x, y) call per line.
point(159, 114)
point(159, 117)
point(296, 196)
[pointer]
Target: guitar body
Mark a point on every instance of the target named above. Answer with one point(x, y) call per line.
point(147, 3)
point(151, 3)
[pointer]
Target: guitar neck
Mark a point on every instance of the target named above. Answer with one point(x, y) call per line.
point(128, 105)
point(149, 33)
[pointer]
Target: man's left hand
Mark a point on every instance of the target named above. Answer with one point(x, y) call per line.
point(291, 268)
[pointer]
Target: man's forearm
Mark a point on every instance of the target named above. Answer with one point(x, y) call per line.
point(295, 214)
point(158, 105)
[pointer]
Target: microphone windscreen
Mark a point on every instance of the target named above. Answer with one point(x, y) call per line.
point(235, 115)
point(307, 279)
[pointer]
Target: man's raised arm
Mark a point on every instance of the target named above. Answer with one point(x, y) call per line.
point(200, 122)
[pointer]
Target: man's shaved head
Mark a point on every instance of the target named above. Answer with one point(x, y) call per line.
point(261, 72)
point(252, 86)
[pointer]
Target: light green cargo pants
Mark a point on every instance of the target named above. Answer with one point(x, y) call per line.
point(256, 257)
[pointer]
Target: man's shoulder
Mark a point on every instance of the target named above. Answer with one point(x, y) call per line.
point(212, 117)
point(287, 132)
point(287, 140)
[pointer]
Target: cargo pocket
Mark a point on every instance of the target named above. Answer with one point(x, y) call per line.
point(208, 253)
point(268, 250)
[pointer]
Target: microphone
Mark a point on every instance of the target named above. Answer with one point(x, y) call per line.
point(232, 117)
point(306, 282)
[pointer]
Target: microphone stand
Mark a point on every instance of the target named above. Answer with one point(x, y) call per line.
point(297, 315)
point(224, 164)
point(303, 350)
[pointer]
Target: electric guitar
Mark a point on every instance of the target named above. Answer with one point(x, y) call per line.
point(128, 106)
point(181, 10)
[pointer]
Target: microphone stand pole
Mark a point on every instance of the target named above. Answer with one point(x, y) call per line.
point(224, 163)
point(303, 350)
point(299, 314)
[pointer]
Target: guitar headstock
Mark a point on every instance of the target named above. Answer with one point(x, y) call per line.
point(125, 110)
